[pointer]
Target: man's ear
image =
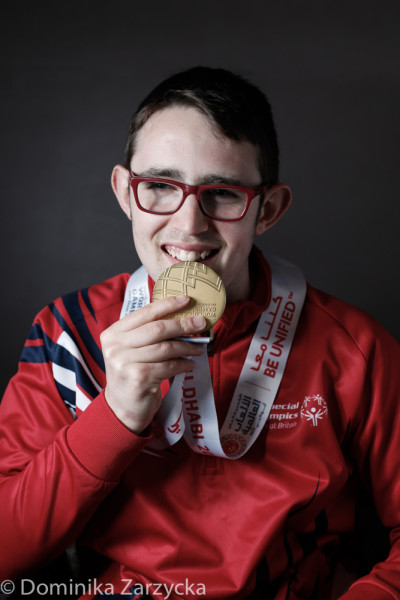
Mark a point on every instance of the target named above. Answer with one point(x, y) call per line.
point(277, 200)
point(120, 185)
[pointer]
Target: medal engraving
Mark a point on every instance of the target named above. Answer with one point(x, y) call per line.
point(202, 284)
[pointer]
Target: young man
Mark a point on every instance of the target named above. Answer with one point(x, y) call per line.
point(259, 511)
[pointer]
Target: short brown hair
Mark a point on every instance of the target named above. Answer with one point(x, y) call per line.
point(238, 108)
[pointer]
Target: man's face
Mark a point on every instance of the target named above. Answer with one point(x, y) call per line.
point(180, 143)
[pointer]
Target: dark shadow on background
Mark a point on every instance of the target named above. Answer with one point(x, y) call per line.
point(73, 73)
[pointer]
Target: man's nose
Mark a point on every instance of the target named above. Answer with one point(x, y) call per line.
point(189, 218)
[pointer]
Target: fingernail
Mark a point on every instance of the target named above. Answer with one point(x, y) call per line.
point(181, 299)
point(199, 322)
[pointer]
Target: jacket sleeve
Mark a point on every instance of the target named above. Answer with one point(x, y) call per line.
point(54, 470)
point(376, 449)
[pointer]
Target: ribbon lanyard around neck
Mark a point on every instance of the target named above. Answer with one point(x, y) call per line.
point(188, 408)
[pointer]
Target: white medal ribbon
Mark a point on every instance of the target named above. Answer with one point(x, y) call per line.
point(188, 408)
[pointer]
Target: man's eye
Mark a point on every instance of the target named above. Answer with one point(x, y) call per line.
point(157, 185)
point(221, 194)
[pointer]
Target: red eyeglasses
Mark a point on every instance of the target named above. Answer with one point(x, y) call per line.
point(217, 201)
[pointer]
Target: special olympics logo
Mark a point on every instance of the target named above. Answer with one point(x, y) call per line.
point(314, 410)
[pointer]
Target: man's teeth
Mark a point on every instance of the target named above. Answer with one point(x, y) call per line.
point(191, 255)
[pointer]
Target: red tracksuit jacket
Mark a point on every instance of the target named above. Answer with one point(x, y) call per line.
point(264, 526)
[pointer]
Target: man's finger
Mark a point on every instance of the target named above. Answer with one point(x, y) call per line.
point(154, 311)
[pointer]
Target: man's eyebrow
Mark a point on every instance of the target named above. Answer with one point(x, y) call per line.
point(161, 172)
point(215, 178)
point(212, 178)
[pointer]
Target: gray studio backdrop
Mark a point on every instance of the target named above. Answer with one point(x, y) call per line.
point(73, 73)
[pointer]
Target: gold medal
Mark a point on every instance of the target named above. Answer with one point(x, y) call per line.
point(202, 284)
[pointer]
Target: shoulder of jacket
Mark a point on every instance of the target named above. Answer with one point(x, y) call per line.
point(363, 329)
point(89, 301)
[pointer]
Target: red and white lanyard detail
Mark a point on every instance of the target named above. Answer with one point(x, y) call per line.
point(188, 408)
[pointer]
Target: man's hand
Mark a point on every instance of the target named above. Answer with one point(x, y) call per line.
point(140, 351)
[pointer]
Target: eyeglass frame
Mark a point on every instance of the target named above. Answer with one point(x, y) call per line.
point(187, 190)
